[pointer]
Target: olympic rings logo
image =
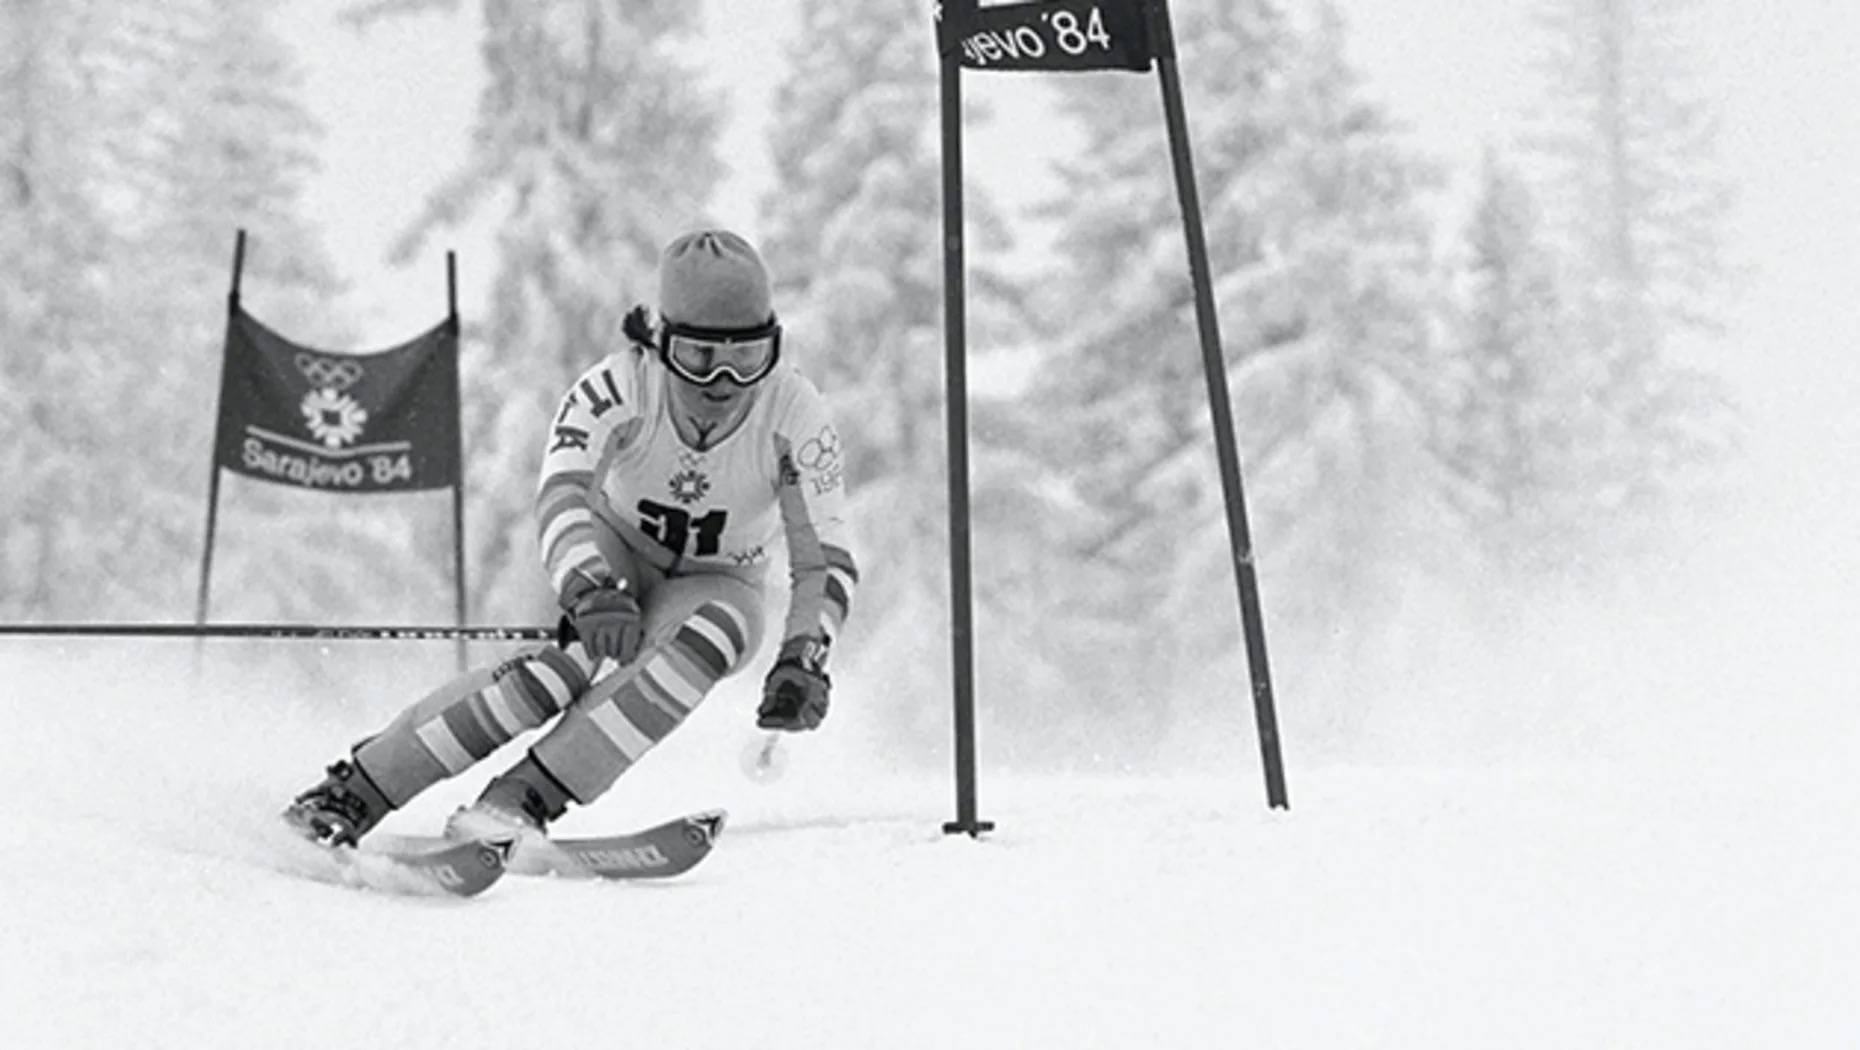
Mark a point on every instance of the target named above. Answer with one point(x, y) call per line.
point(820, 451)
point(328, 373)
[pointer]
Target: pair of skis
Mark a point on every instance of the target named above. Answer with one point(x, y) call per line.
point(427, 866)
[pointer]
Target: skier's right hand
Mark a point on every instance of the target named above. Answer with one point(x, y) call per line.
point(607, 620)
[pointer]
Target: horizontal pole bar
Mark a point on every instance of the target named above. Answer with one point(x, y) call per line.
point(315, 632)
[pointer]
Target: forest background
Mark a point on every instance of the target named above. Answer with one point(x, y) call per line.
point(1496, 391)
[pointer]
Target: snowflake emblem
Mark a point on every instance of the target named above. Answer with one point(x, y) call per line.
point(689, 486)
point(334, 418)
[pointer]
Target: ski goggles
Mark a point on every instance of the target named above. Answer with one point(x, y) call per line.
point(705, 356)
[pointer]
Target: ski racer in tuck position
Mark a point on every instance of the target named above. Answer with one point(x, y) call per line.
point(670, 468)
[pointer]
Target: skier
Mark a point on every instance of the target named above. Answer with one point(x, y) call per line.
point(670, 468)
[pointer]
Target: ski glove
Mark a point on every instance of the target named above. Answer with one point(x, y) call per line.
point(607, 620)
point(794, 696)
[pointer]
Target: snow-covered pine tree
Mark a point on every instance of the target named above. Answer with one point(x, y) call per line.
point(1636, 201)
point(211, 135)
point(53, 246)
point(137, 135)
point(850, 234)
point(1515, 426)
point(1322, 261)
point(594, 145)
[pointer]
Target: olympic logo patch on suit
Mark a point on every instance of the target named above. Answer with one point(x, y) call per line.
point(821, 451)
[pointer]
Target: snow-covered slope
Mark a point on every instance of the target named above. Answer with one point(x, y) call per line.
point(1694, 886)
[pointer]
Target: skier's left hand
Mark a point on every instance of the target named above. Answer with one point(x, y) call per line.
point(794, 696)
point(607, 620)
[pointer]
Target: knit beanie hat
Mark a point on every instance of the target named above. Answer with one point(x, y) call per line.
point(713, 279)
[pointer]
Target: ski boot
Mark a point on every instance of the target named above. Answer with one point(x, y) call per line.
point(341, 809)
point(515, 807)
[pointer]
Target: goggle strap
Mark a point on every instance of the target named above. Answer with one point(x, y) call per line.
point(771, 327)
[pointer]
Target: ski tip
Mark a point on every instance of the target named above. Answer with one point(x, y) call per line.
point(703, 828)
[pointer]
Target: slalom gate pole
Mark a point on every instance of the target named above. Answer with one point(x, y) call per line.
point(203, 594)
point(301, 631)
point(1162, 43)
point(962, 614)
point(458, 456)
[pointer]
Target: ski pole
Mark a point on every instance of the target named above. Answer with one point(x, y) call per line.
point(312, 632)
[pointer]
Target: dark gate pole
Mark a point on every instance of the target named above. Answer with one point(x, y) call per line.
point(962, 617)
point(458, 458)
point(1162, 44)
point(202, 597)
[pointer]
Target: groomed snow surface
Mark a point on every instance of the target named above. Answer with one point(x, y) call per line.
point(1605, 838)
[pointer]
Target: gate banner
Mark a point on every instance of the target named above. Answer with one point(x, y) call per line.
point(1056, 35)
point(374, 422)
